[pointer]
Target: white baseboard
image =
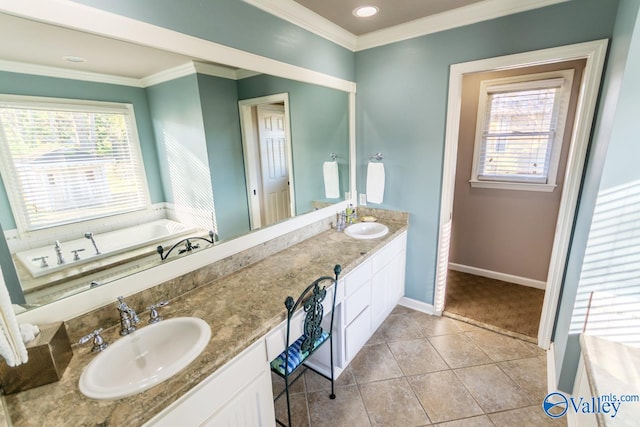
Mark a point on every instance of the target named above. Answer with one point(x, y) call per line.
point(552, 381)
point(417, 305)
point(538, 284)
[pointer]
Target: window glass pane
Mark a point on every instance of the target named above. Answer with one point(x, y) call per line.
point(518, 135)
point(69, 165)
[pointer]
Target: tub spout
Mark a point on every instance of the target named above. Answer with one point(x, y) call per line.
point(89, 236)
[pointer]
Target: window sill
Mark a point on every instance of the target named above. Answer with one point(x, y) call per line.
point(516, 186)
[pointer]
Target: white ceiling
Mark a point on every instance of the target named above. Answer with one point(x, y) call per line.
point(391, 12)
point(46, 45)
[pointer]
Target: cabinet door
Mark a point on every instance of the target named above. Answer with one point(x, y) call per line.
point(380, 297)
point(357, 334)
point(251, 408)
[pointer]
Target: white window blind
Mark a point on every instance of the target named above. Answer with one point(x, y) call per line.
point(520, 129)
point(70, 161)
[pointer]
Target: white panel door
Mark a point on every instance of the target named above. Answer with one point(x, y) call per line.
point(273, 163)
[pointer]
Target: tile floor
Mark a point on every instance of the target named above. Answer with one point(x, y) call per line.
point(421, 370)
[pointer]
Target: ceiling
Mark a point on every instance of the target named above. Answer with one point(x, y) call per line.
point(46, 45)
point(392, 12)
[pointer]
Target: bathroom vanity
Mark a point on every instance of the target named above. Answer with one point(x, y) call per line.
point(230, 382)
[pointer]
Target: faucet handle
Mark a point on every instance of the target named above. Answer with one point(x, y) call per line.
point(154, 317)
point(76, 257)
point(99, 343)
point(43, 261)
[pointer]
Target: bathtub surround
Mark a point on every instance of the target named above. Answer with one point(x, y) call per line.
point(226, 296)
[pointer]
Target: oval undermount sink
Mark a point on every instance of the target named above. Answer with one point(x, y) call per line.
point(366, 230)
point(145, 358)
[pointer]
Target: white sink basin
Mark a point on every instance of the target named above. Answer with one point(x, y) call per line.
point(144, 358)
point(366, 230)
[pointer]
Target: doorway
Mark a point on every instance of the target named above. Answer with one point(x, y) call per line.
point(266, 144)
point(594, 54)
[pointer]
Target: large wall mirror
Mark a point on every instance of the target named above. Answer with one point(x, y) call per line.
point(111, 150)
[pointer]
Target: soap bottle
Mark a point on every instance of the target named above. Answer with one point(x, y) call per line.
point(350, 214)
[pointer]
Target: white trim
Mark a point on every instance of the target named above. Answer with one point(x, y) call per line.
point(304, 18)
point(518, 186)
point(417, 305)
point(168, 75)
point(518, 280)
point(552, 380)
point(80, 17)
point(353, 191)
point(474, 13)
point(482, 11)
point(65, 73)
point(594, 52)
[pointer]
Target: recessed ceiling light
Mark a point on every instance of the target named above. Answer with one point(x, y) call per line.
point(74, 59)
point(365, 11)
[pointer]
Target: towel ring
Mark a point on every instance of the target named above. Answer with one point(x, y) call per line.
point(377, 156)
point(333, 156)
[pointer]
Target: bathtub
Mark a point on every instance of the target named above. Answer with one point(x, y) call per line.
point(109, 243)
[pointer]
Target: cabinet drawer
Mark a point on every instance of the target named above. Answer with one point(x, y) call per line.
point(356, 278)
point(357, 334)
point(356, 303)
point(388, 252)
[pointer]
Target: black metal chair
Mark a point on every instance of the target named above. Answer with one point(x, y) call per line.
point(313, 337)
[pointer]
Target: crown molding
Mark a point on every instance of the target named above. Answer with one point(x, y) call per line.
point(65, 73)
point(299, 15)
point(170, 74)
point(474, 13)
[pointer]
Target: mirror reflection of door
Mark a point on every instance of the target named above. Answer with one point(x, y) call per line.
point(266, 142)
point(275, 197)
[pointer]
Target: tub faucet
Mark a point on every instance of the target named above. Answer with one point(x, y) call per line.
point(89, 235)
point(58, 249)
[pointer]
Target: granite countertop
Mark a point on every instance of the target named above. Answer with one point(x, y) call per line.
point(613, 368)
point(240, 308)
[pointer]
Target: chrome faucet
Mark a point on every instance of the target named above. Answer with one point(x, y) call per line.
point(89, 235)
point(128, 318)
point(58, 249)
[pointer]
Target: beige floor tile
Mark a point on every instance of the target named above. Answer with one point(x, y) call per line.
point(393, 403)
point(397, 327)
point(530, 374)
point(459, 351)
point(346, 410)
point(493, 389)
point(437, 325)
point(299, 410)
point(501, 347)
point(531, 416)
point(374, 363)
point(400, 309)
point(443, 396)
point(277, 385)
point(417, 357)
point(481, 421)
point(315, 382)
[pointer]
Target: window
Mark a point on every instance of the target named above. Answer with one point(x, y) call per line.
point(519, 131)
point(67, 161)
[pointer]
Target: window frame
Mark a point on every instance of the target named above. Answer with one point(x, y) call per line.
point(8, 169)
point(520, 83)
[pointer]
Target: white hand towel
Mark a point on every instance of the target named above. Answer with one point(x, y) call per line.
point(331, 180)
point(12, 347)
point(375, 182)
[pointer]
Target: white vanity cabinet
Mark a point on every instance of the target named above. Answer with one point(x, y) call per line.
point(240, 395)
point(372, 290)
point(237, 395)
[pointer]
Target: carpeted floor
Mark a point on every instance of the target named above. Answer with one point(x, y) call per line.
point(494, 303)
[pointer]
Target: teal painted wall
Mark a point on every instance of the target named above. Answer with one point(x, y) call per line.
point(402, 101)
point(611, 162)
point(219, 103)
point(31, 85)
point(182, 150)
point(319, 126)
point(236, 24)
